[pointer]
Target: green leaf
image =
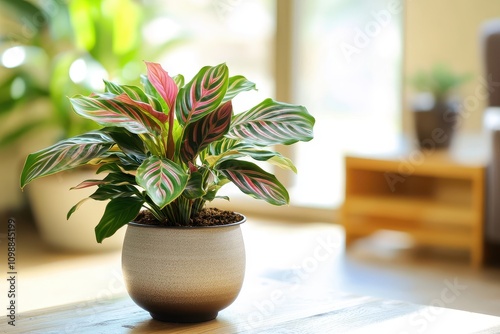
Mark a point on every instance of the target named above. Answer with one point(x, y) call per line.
point(130, 143)
point(119, 212)
point(202, 94)
point(163, 179)
point(112, 191)
point(194, 188)
point(271, 123)
point(75, 207)
point(254, 181)
point(236, 85)
point(66, 154)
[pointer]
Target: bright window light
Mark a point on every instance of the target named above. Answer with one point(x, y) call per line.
point(78, 71)
point(13, 57)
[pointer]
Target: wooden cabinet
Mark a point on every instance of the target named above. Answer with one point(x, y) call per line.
point(433, 197)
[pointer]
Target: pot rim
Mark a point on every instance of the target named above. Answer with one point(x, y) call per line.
point(133, 223)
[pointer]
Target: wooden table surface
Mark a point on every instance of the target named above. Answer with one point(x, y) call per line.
point(265, 305)
point(287, 289)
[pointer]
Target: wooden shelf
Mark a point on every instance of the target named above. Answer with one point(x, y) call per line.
point(422, 210)
point(438, 201)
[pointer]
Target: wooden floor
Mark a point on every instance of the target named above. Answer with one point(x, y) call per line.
point(385, 266)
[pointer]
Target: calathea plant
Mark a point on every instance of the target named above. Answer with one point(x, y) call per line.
point(169, 147)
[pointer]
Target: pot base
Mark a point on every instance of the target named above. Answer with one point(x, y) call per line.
point(184, 318)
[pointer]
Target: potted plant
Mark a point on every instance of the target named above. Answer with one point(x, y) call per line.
point(435, 105)
point(166, 151)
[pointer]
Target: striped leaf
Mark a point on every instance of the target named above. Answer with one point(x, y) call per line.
point(163, 83)
point(66, 154)
point(236, 85)
point(88, 183)
point(202, 94)
point(220, 150)
point(134, 92)
point(201, 133)
point(272, 123)
point(272, 157)
point(119, 212)
point(162, 179)
point(107, 110)
point(146, 107)
point(254, 181)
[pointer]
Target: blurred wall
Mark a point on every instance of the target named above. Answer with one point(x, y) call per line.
point(447, 31)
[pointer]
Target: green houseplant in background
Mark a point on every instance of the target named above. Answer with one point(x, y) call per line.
point(435, 104)
point(51, 50)
point(166, 151)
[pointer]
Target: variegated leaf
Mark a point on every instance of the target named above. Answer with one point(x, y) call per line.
point(272, 123)
point(109, 111)
point(236, 85)
point(114, 191)
point(163, 83)
point(163, 179)
point(146, 107)
point(272, 157)
point(254, 181)
point(134, 92)
point(88, 183)
point(220, 150)
point(201, 133)
point(202, 94)
point(66, 154)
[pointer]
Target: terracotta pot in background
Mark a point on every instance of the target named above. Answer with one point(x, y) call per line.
point(183, 274)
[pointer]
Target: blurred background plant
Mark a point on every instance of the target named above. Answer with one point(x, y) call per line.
point(53, 49)
point(440, 80)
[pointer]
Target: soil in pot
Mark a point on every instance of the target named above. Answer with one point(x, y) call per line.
point(206, 217)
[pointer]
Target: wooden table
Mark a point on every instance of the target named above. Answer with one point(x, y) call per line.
point(266, 305)
point(289, 287)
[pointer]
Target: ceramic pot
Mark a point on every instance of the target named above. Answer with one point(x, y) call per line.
point(50, 199)
point(183, 274)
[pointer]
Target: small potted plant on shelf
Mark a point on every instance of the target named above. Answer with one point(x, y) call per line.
point(435, 104)
point(165, 151)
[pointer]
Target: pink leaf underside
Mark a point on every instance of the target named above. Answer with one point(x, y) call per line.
point(88, 183)
point(163, 83)
point(143, 106)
